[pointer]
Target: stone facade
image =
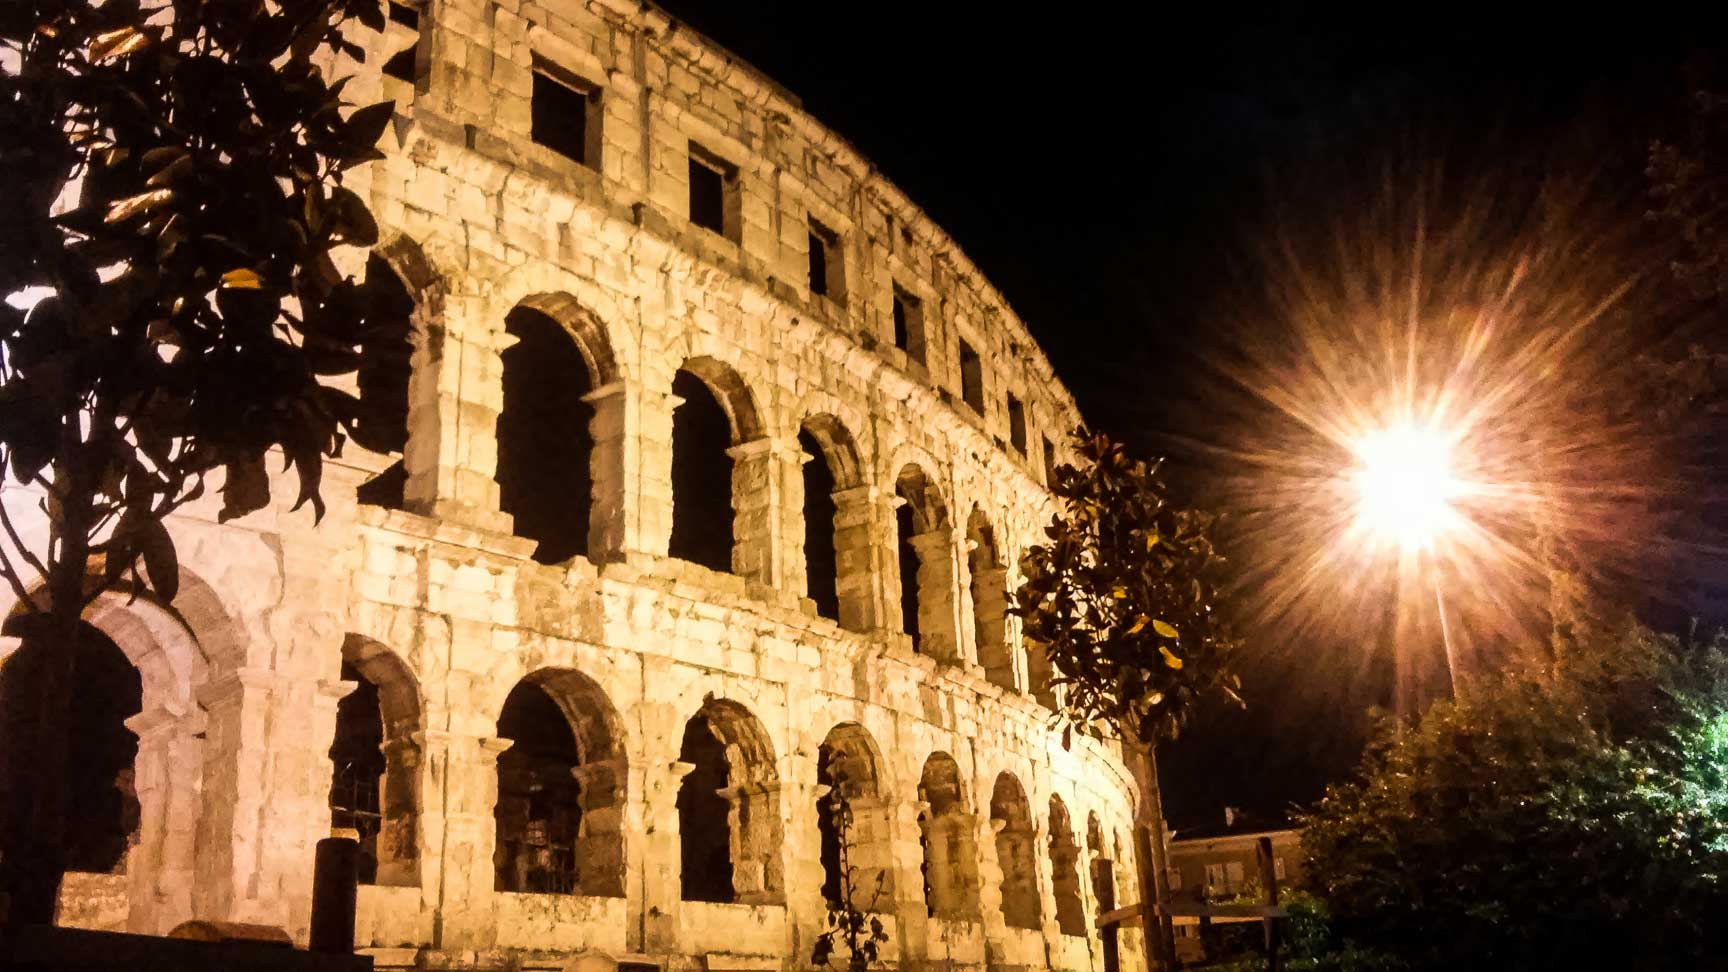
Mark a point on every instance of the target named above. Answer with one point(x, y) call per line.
point(675, 215)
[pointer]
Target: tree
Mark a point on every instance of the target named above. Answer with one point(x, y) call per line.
point(1571, 813)
point(1120, 600)
point(850, 922)
point(174, 198)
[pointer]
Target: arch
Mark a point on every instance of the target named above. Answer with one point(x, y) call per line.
point(584, 328)
point(561, 785)
point(853, 819)
point(713, 414)
point(732, 393)
point(166, 753)
point(926, 560)
point(1011, 817)
point(375, 760)
point(738, 860)
point(1064, 872)
point(948, 835)
point(837, 449)
point(545, 435)
point(989, 590)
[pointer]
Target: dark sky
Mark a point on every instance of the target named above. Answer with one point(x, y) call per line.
point(1106, 166)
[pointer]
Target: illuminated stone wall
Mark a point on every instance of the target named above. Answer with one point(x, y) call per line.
point(437, 602)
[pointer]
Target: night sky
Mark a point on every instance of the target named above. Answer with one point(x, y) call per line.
point(1108, 170)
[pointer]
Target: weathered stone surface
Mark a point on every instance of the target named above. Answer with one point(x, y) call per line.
point(438, 611)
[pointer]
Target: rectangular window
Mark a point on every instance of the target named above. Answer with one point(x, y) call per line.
point(971, 377)
point(1278, 868)
point(909, 325)
point(1214, 877)
point(1049, 461)
point(565, 114)
point(827, 266)
point(1017, 424)
point(713, 193)
point(1233, 876)
point(403, 33)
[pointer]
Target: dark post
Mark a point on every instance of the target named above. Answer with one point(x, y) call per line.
point(334, 881)
point(1269, 881)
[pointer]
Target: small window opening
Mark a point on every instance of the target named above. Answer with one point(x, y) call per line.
point(827, 273)
point(971, 378)
point(565, 114)
point(905, 527)
point(909, 325)
point(404, 64)
point(1049, 461)
point(1017, 425)
point(713, 192)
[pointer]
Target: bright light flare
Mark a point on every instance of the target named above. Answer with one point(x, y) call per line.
point(1405, 485)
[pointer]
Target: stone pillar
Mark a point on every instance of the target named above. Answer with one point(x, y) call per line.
point(989, 624)
point(758, 837)
point(768, 513)
point(938, 607)
point(399, 802)
point(600, 840)
point(452, 453)
point(659, 861)
point(653, 476)
point(615, 431)
point(990, 877)
point(425, 456)
point(468, 768)
point(161, 866)
point(858, 559)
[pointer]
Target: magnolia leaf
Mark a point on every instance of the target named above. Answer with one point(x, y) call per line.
point(122, 210)
point(1170, 658)
point(242, 279)
point(161, 563)
point(1138, 625)
point(117, 43)
point(1164, 628)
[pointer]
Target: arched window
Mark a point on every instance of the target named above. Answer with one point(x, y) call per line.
point(382, 379)
point(926, 559)
point(820, 553)
point(856, 856)
point(989, 601)
point(729, 816)
point(950, 848)
point(374, 759)
point(702, 515)
point(544, 442)
point(1011, 816)
point(102, 808)
point(560, 787)
point(1064, 870)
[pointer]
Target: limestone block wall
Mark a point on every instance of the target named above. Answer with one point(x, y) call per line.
point(436, 603)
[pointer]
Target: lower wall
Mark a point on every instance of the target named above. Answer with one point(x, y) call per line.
point(95, 902)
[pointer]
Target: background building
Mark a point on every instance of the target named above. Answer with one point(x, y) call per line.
point(714, 471)
point(1222, 864)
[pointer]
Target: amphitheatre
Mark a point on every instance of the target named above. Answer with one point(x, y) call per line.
point(713, 475)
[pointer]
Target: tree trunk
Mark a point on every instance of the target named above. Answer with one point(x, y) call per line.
point(1154, 865)
point(32, 859)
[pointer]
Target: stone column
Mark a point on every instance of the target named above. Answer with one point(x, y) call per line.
point(399, 802)
point(990, 877)
point(758, 837)
point(659, 861)
point(266, 797)
point(161, 866)
point(938, 601)
point(452, 453)
point(858, 559)
point(468, 768)
point(767, 523)
point(600, 841)
point(612, 529)
point(989, 607)
point(653, 474)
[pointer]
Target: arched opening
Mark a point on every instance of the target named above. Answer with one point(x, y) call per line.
point(1064, 870)
point(989, 601)
point(383, 375)
point(545, 443)
point(103, 812)
point(1011, 816)
point(927, 589)
point(729, 817)
point(560, 799)
point(702, 438)
point(1104, 891)
point(821, 555)
point(375, 759)
point(853, 820)
point(947, 834)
